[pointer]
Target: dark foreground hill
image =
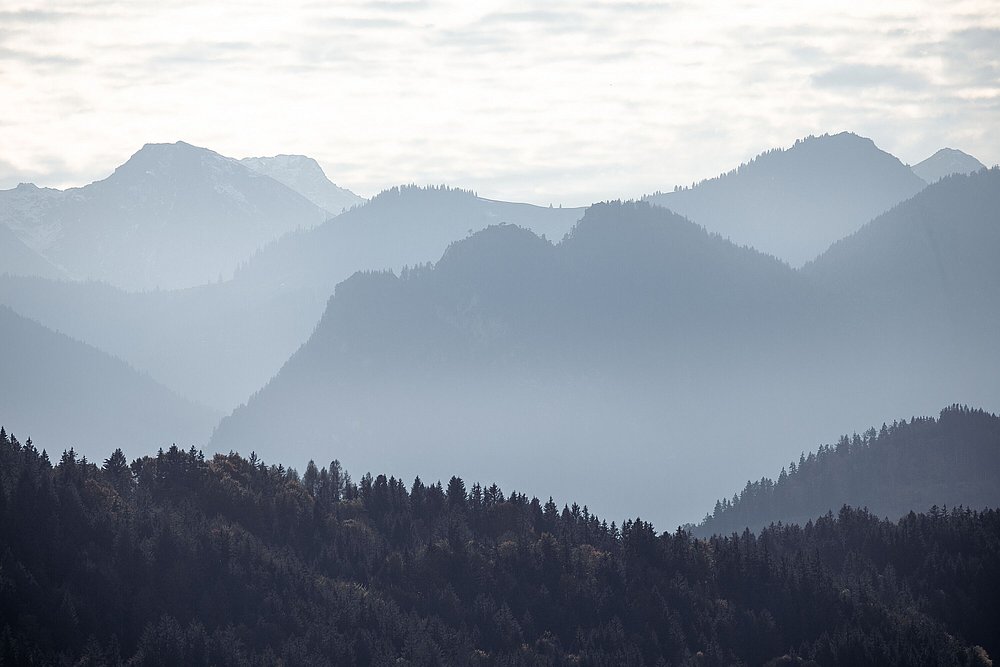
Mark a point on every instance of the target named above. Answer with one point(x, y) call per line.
point(179, 559)
point(949, 461)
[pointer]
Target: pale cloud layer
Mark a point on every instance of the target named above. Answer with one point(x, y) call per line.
point(544, 102)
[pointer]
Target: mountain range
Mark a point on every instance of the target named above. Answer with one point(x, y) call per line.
point(535, 335)
point(220, 342)
point(512, 352)
point(173, 215)
point(793, 203)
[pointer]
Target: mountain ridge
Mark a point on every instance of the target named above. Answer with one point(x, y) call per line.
point(304, 175)
point(172, 215)
point(794, 202)
point(905, 466)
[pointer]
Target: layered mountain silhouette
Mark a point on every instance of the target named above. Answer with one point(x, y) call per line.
point(928, 266)
point(946, 162)
point(305, 176)
point(640, 333)
point(17, 259)
point(174, 215)
point(402, 226)
point(794, 203)
point(219, 343)
point(60, 390)
point(214, 344)
point(641, 343)
point(904, 467)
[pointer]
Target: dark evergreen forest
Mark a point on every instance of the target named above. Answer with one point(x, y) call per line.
point(179, 558)
point(916, 464)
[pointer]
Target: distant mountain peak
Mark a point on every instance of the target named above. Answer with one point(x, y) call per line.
point(167, 148)
point(154, 159)
point(173, 215)
point(945, 162)
point(794, 202)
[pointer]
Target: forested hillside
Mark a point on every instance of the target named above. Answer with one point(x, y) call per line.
point(179, 558)
point(910, 465)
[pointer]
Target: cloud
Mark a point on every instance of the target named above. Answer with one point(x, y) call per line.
point(31, 58)
point(869, 76)
point(551, 101)
point(31, 16)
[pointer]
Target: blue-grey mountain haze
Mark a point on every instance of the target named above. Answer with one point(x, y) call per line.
point(598, 363)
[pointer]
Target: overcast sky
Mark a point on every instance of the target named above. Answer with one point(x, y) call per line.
point(543, 102)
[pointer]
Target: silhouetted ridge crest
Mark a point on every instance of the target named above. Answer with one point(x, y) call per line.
point(179, 159)
point(363, 282)
point(763, 158)
point(493, 252)
point(411, 190)
point(979, 189)
point(793, 203)
point(172, 216)
point(941, 248)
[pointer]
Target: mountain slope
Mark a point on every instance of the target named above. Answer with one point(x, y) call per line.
point(905, 467)
point(639, 333)
point(305, 176)
point(794, 203)
point(511, 347)
point(218, 343)
point(929, 266)
point(215, 344)
point(174, 215)
point(17, 259)
point(946, 162)
point(402, 226)
point(60, 390)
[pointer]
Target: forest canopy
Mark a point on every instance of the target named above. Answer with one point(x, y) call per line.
point(225, 560)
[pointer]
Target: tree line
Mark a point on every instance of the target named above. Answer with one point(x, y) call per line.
point(179, 558)
point(915, 464)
